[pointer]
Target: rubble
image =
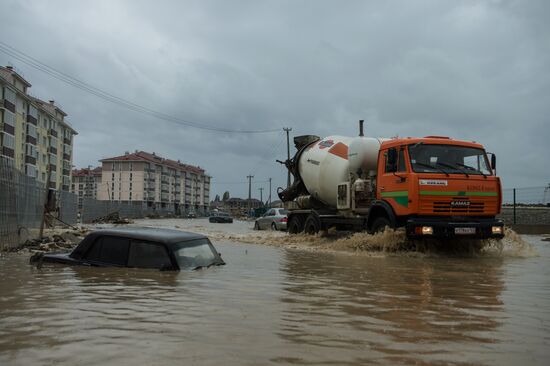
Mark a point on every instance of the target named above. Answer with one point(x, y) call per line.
point(57, 241)
point(112, 218)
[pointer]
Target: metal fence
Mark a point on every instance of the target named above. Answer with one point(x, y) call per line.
point(68, 207)
point(93, 210)
point(528, 206)
point(22, 200)
point(530, 196)
point(21, 204)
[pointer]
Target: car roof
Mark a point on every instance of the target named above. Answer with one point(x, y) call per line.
point(166, 236)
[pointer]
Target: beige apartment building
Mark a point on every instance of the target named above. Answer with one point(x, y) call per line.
point(155, 182)
point(34, 135)
point(85, 183)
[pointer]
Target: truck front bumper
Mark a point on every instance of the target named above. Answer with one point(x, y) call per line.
point(428, 227)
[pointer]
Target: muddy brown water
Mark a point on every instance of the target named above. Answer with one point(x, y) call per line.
point(278, 305)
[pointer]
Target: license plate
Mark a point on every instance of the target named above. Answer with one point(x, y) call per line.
point(465, 230)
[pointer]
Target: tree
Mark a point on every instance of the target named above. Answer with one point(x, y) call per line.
point(225, 196)
point(217, 199)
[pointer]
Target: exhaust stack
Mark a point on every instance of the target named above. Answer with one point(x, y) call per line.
point(361, 134)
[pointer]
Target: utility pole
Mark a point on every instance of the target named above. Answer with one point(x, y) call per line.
point(45, 208)
point(269, 199)
point(261, 189)
point(249, 192)
point(287, 130)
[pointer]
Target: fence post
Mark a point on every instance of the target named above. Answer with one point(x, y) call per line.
point(514, 206)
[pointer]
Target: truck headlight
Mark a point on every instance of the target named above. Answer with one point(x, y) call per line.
point(497, 230)
point(427, 230)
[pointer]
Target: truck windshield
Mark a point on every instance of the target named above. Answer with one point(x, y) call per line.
point(453, 159)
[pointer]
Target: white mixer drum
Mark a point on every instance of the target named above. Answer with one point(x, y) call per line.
point(323, 165)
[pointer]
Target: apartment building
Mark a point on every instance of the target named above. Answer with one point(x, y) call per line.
point(85, 183)
point(239, 206)
point(34, 134)
point(155, 182)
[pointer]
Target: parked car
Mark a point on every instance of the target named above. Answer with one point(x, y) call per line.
point(220, 217)
point(191, 215)
point(162, 249)
point(274, 219)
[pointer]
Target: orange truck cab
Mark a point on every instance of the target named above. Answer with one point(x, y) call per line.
point(439, 187)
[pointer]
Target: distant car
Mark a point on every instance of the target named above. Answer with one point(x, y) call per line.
point(220, 217)
point(162, 249)
point(191, 215)
point(274, 219)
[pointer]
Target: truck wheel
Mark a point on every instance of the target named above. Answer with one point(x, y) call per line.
point(295, 224)
point(312, 225)
point(379, 225)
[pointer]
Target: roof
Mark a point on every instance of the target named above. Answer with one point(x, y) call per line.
point(153, 158)
point(11, 70)
point(166, 236)
point(96, 172)
point(430, 140)
point(50, 109)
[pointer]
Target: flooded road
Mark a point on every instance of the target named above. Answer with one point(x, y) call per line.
point(275, 305)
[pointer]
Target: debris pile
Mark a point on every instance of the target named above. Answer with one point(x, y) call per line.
point(64, 241)
point(112, 218)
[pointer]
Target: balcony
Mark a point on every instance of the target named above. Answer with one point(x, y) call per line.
point(53, 168)
point(9, 129)
point(32, 119)
point(52, 185)
point(30, 160)
point(9, 106)
point(66, 157)
point(53, 150)
point(31, 140)
point(8, 152)
point(66, 141)
point(66, 172)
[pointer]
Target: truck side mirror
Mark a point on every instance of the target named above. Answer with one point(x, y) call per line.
point(391, 163)
point(493, 161)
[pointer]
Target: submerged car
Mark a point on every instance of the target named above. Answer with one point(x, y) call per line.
point(162, 249)
point(274, 219)
point(220, 217)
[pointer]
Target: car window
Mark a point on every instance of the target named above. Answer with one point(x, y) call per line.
point(194, 253)
point(109, 249)
point(148, 255)
point(282, 212)
point(270, 212)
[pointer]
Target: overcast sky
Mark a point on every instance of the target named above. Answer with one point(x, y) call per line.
point(473, 70)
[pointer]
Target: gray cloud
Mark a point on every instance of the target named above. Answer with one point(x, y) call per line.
point(475, 70)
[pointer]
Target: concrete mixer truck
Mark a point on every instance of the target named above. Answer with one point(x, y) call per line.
point(432, 186)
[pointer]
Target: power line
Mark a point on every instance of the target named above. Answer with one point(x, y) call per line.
point(241, 182)
point(61, 76)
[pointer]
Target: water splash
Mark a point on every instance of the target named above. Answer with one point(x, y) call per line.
point(389, 242)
